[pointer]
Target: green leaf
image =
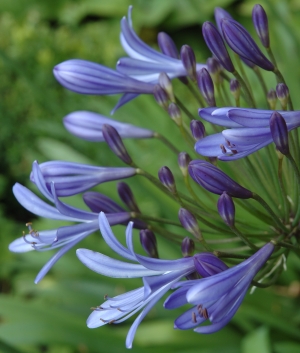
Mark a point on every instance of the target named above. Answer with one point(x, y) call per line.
point(257, 341)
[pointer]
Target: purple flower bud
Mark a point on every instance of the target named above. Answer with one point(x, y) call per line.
point(241, 42)
point(206, 87)
point(197, 129)
point(213, 66)
point(183, 162)
point(283, 94)
point(187, 247)
point(279, 133)
point(149, 244)
point(167, 45)
point(235, 88)
point(226, 209)
point(115, 143)
point(272, 98)
point(216, 45)
point(167, 179)
point(127, 197)
point(214, 180)
point(175, 113)
point(101, 203)
point(188, 59)
point(260, 21)
point(219, 15)
point(166, 84)
point(189, 222)
point(161, 96)
point(208, 264)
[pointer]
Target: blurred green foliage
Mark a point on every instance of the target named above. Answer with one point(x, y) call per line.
point(50, 317)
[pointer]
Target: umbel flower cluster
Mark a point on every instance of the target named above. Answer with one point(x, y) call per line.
point(222, 254)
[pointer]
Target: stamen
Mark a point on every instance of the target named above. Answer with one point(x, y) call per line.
point(205, 313)
point(194, 318)
point(223, 149)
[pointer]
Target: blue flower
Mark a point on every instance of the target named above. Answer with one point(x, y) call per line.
point(67, 236)
point(158, 276)
point(250, 131)
point(88, 126)
point(218, 297)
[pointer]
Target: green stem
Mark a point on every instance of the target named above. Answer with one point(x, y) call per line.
point(297, 173)
point(154, 219)
point(243, 238)
point(261, 81)
point(246, 90)
point(270, 211)
point(283, 193)
point(166, 142)
point(184, 109)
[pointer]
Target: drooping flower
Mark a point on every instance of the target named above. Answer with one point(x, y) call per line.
point(158, 276)
point(250, 131)
point(218, 297)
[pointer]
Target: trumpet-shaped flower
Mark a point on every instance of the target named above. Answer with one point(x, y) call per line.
point(73, 178)
point(158, 277)
point(250, 131)
point(88, 126)
point(216, 298)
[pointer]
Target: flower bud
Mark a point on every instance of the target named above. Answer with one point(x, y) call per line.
point(260, 21)
point(175, 113)
point(161, 96)
point(189, 222)
point(208, 264)
point(148, 242)
point(279, 133)
point(183, 162)
point(283, 94)
point(241, 42)
point(167, 179)
point(197, 129)
point(226, 209)
point(214, 180)
point(115, 143)
point(166, 84)
point(272, 98)
point(235, 89)
point(216, 45)
point(167, 45)
point(188, 59)
point(187, 247)
point(127, 197)
point(206, 87)
point(219, 15)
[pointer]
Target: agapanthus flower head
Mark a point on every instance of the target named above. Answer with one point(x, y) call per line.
point(88, 126)
point(217, 297)
point(214, 180)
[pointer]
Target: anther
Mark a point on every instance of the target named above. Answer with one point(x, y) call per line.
point(223, 149)
point(205, 313)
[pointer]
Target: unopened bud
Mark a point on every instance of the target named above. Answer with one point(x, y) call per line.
point(279, 133)
point(167, 179)
point(235, 89)
point(166, 84)
point(127, 197)
point(260, 21)
point(187, 247)
point(148, 242)
point(115, 143)
point(175, 113)
point(161, 96)
point(283, 94)
point(183, 162)
point(189, 222)
point(226, 209)
point(188, 59)
point(208, 264)
point(197, 129)
point(206, 87)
